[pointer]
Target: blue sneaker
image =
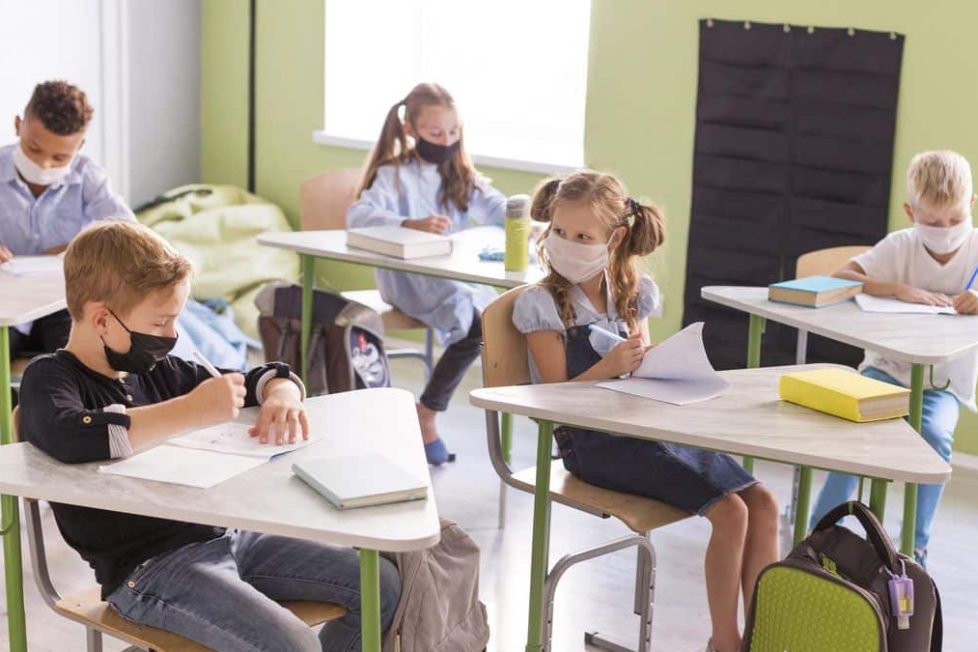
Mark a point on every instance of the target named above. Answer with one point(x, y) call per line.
point(920, 556)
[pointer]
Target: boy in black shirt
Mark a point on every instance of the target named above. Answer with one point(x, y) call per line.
point(113, 391)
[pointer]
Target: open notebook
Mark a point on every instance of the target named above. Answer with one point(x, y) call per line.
point(205, 457)
point(675, 371)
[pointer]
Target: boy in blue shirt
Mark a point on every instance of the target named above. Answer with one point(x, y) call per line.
point(49, 192)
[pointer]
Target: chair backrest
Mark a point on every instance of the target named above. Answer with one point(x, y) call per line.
point(15, 418)
point(825, 262)
point(324, 198)
point(504, 359)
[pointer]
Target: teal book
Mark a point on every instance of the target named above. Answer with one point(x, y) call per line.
point(814, 291)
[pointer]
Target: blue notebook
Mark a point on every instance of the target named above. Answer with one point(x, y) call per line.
point(814, 291)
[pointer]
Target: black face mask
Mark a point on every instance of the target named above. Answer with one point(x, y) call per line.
point(434, 153)
point(143, 354)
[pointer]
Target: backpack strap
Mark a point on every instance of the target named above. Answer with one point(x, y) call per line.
point(937, 634)
point(874, 531)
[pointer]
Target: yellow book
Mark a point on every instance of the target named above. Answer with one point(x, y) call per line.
point(845, 394)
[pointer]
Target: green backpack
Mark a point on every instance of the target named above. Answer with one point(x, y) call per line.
point(832, 594)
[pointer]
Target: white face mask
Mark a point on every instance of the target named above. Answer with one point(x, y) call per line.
point(575, 261)
point(944, 240)
point(34, 173)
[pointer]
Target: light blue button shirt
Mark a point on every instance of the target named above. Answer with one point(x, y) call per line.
point(30, 225)
point(445, 305)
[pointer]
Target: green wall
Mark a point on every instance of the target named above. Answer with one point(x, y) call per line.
point(641, 100)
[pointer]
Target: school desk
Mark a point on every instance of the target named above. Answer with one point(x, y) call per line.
point(747, 419)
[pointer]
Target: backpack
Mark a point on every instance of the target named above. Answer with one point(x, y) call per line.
point(439, 609)
point(833, 592)
point(346, 347)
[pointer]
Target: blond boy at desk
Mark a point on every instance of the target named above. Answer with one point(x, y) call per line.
point(113, 391)
point(931, 263)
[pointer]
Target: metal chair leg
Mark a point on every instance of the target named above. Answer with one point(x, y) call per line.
point(592, 638)
point(93, 640)
point(429, 353)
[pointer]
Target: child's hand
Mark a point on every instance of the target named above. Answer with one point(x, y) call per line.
point(910, 294)
point(966, 303)
point(5, 254)
point(431, 224)
point(218, 399)
point(281, 414)
point(626, 356)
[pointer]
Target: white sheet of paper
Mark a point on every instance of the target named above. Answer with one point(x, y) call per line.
point(27, 265)
point(233, 438)
point(870, 303)
point(675, 371)
point(187, 466)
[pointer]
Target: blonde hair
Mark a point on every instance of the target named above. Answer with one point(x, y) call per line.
point(119, 263)
point(610, 204)
point(939, 179)
point(457, 173)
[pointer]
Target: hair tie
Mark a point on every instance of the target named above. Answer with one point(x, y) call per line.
point(634, 207)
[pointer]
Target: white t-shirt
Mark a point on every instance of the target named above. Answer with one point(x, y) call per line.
point(901, 258)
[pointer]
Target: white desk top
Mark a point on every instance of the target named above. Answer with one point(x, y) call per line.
point(29, 297)
point(748, 419)
point(268, 498)
point(914, 338)
point(462, 264)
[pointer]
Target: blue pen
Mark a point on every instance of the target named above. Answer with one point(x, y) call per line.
point(605, 333)
point(971, 280)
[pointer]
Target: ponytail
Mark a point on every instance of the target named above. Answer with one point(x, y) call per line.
point(646, 228)
point(390, 147)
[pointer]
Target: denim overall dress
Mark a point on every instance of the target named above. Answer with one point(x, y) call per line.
point(688, 478)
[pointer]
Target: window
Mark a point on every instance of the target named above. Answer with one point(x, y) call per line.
point(517, 70)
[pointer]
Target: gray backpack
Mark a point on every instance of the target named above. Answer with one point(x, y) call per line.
point(439, 609)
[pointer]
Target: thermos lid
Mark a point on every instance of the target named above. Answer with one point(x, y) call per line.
point(518, 206)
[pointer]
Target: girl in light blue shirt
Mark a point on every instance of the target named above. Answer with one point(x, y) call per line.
point(429, 183)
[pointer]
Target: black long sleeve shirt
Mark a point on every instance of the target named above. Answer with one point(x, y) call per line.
point(63, 412)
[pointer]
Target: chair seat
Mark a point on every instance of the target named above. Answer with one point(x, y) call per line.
point(394, 319)
point(89, 609)
point(640, 514)
point(17, 366)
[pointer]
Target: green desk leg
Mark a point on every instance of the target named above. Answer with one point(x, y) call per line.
point(877, 498)
point(802, 504)
point(506, 437)
point(910, 490)
point(10, 515)
point(541, 540)
point(754, 332)
point(370, 601)
point(308, 281)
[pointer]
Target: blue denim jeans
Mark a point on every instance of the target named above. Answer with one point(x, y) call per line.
point(222, 593)
point(940, 417)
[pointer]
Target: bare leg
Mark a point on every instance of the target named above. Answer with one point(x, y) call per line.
point(761, 547)
point(723, 563)
point(429, 429)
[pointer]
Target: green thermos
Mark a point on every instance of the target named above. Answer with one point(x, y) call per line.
point(517, 257)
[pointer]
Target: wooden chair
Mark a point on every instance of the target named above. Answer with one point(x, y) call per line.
point(504, 362)
point(88, 608)
point(324, 200)
point(17, 366)
point(821, 262)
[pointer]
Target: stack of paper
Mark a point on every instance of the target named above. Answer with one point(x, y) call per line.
point(675, 371)
point(204, 457)
point(30, 265)
point(399, 241)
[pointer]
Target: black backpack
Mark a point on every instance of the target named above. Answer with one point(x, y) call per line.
point(346, 347)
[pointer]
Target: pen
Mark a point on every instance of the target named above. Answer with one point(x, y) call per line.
point(206, 364)
point(605, 333)
point(971, 280)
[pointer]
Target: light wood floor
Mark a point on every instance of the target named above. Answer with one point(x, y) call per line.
point(597, 594)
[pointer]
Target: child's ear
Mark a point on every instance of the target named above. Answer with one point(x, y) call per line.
point(409, 128)
point(98, 317)
point(909, 211)
point(17, 126)
point(617, 235)
point(973, 198)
